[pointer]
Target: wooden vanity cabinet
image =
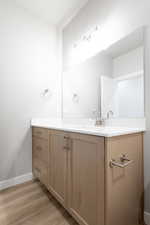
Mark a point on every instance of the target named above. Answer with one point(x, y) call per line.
point(58, 165)
point(80, 174)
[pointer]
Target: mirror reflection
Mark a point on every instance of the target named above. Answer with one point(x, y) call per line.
point(109, 84)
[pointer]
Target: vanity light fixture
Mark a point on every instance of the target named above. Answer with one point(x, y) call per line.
point(87, 37)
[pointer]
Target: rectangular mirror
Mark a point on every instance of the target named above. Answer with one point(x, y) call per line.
point(111, 82)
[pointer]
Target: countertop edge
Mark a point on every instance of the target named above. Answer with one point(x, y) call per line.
point(88, 132)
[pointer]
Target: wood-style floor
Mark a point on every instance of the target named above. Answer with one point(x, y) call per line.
point(31, 204)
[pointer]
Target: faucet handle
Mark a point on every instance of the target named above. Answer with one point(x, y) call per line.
point(110, 112)
point(95, 112)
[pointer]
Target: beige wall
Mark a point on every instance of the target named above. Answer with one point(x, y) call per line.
point(28, 64)
point(117, 19)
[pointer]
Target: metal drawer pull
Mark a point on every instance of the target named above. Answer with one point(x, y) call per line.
point(37, 172)
point(38, 132)
point(124, 162)
point(66, 148)
point(66, 137)
point(39, 148)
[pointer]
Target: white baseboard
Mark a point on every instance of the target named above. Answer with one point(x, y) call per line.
point(15, 180)
point(147, 218)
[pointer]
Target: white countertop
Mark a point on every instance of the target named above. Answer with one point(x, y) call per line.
point(106, 131)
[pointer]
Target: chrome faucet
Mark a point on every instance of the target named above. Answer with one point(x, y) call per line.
point(99, 121)
point(109, 114)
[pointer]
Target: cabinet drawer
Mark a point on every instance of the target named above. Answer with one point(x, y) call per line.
point(40, 149)
point(40, 171)
point(40, 132)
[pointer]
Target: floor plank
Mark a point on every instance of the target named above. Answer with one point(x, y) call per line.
point(31, 204)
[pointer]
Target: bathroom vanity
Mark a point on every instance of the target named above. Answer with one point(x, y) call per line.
point(95, 173)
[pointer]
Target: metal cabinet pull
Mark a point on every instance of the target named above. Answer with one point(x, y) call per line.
point(66, 148)
point(39, 148)
point(66, 137)
point(124, 162)
point(38, 170)
point(38, 132)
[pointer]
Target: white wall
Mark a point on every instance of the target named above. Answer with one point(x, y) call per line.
point(128, 63)
point(117, 19)
point(84, 80)
point(28, 64)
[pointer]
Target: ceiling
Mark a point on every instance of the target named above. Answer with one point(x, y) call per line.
point(57, 12)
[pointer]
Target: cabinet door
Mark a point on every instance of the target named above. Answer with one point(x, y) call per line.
point(86, 179)
point(58, 165)
point(124, 190)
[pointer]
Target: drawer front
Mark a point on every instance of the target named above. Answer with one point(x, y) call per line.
point(40, 171)
point(40, 132)
point(40, 149)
